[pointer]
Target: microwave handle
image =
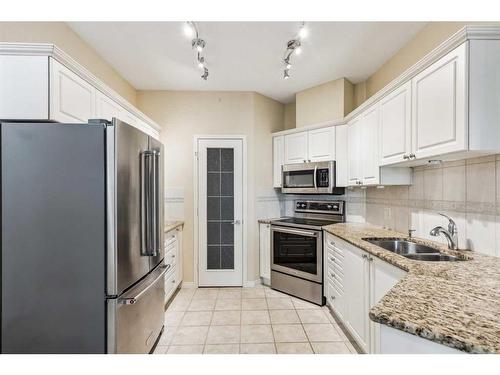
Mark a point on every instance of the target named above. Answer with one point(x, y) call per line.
point(315, 177)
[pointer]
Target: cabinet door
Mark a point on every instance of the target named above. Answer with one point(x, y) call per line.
point(278, 159)
point(341, 155)
point(265, 250)
point(296, 148)
point(106, 108)
point(179, 271)
point(356, 289)
point(24, 87)
point(439, 106)
point(395, 125)
point(383, 276)
point(321, 144)
point(353, 150)
point(72, 99)
point(369, 151)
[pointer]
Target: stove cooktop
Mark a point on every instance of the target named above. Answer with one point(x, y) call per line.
point(303, 222)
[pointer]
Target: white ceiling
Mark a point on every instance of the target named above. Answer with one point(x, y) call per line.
point(245, 56)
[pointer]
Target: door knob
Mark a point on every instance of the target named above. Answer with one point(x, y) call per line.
point(236, 222)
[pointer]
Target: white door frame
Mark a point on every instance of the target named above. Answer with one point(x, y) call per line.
point(196, 249)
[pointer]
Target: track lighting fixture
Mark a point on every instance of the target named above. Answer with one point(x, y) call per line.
point(294, 46)
point(198, 44)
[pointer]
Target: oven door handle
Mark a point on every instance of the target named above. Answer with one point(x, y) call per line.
point(296, 231)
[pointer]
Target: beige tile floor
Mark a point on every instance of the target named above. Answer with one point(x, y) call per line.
point(255, 320)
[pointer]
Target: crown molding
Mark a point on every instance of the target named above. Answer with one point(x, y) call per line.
point(51, 50)
point(461, 36)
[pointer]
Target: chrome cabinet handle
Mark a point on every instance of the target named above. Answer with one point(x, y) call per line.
point(331, 259)
point(412, 156)
point(236, 222)
point(364, 256)
point(406, 157)
point(332, 297)
point(332, 275)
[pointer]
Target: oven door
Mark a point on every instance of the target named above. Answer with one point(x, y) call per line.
point(297, 252)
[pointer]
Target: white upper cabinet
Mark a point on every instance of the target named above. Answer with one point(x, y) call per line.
point(310, 146)
point(369, 152)
point(321, 144)
point(278, 159)
point(354, 152)
point(439, 106)
point(106, 108)
point(296, 148)
point(72, 98)
point(24, 87)
point(395, 126)
point(49, 86)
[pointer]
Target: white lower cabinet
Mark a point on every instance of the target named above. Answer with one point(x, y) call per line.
point(383, 276)
point(173, 259)
point(354, 282)
point(265, 252)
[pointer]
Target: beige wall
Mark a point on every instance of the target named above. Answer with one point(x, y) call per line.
point(184, 114)
point(61, 35)
point(290, 116)
point(325, 102)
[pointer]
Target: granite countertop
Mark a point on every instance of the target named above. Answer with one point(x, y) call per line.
point(456, 304)
point(170, 225)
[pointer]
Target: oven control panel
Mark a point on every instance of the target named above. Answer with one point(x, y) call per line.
point(331, 207)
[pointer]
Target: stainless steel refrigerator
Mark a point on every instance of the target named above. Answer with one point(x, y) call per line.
point(81, 250)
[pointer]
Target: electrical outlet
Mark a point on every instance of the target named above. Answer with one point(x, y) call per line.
point(388, 217)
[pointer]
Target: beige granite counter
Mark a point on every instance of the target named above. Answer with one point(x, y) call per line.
point(456, 304)
point(170, 225)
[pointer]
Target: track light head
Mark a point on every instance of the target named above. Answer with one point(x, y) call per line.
point(205, 73)
point(198, 44)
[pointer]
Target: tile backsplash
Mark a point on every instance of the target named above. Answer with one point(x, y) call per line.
point(466, 190)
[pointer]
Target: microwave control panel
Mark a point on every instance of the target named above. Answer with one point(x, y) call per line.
point(323, 178)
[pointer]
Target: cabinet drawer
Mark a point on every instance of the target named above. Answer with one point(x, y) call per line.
point(170, 281)
point(170, 239)
point(171, 258)
point(336, 279)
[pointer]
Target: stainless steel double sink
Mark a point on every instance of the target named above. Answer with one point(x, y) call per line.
point(411, 250)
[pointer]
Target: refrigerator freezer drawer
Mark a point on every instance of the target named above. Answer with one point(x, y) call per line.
point(135, 319)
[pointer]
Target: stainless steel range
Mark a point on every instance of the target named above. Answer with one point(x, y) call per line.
point(297, 248)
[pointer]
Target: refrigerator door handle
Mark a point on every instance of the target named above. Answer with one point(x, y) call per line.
point(145, 204)
point(155, 210)
point(134, 295)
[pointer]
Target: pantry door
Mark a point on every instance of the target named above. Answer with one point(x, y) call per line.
point(220, 212)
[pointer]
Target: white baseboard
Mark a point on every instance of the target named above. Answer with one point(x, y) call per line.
point(246, 284)
point(251, 283)
point(188, 285)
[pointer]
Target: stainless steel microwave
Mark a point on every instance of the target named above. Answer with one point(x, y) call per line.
point(310, 178)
